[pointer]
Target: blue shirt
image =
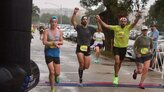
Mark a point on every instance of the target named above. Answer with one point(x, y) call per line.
point(154, 34)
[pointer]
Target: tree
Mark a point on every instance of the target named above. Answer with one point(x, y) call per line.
point(114, 10)
point(45, 17)
point(35, 13)
point(156, 14)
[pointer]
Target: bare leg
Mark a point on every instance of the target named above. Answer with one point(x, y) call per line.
point(117, 65)
point(145, 70)
point(97, 52)
point(57, 72)
point(87, 62)
point(51, 75)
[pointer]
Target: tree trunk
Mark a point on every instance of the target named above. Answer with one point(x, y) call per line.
point(110, 17)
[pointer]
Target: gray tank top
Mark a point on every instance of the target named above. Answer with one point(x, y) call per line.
point(53, 38)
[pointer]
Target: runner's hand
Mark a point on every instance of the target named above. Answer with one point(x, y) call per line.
point(56, 44)
point(76, 10)
point(98, 18)
point(139, 14)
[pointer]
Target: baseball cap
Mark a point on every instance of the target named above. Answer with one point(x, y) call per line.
point(144, 27)
point(53, 18)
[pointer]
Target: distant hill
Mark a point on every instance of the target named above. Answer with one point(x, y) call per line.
point(64, 11)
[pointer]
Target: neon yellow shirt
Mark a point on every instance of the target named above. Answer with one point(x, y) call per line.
point(121, 35)
point(32, 30)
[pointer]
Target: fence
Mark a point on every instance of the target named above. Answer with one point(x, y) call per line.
point(158, 66)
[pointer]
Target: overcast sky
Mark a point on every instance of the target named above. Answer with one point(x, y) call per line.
point(57, 3)
point(64, 3)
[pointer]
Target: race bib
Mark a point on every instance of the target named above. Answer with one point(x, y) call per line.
point(144, 50)
point(83, 47)
point(98, 39)
point(121, 34)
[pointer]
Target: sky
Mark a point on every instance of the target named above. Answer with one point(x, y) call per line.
point(57, 3)
point(65, 3)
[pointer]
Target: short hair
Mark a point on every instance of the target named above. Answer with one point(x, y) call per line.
point(83, 17)
point(153, 25)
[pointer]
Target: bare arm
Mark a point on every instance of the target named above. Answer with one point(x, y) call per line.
point(102, 23)
point(103, 37)
point(138, 16)
point(94, 38)
point(44, 41)
point(73, 19)
point(61, 38)
point(99, 26)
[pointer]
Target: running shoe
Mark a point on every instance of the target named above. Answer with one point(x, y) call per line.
point(115, 80)
point(141, 86)
point(96, 61)
point(134, 75)
point(53, 90)
point(57, 79)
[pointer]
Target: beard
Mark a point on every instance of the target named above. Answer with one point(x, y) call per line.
point(122, 25)
point(84, 23)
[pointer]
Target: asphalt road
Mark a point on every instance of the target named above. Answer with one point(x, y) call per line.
point(97, 73)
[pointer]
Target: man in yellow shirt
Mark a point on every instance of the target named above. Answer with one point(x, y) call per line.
point(121, 37)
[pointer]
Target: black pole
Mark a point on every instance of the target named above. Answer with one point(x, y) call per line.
point(15, 30)
point(15, 33)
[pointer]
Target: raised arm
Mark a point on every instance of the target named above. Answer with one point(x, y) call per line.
point(138, 16)
point(98, 19)
point(99, 26)
point(73, 19)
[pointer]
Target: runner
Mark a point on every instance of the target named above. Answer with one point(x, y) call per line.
point(98, 44)
point(83, 42)
point(41, 30)
point(52, 39)
point(121, 37)
point(143, 48)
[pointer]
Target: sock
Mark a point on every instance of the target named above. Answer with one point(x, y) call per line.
point(116, 76)
point(80, 73)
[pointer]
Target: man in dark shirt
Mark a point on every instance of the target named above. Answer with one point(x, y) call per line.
point(83, 42)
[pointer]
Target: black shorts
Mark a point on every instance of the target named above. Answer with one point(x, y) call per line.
point(100, 46)
point(49, 59)
point(41, 32)
point(119, 51)
point(86, 53)
point(143, 59)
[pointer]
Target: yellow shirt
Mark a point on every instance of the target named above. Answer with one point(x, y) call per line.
point(32, 30)
point(121, 35)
